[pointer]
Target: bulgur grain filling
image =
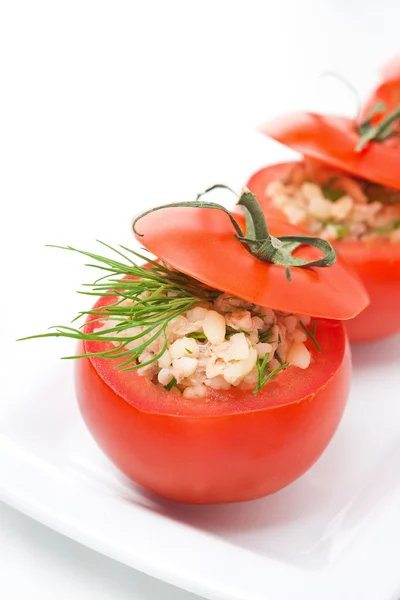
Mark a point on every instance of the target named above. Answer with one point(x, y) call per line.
point(336, 206)
point(219, 344)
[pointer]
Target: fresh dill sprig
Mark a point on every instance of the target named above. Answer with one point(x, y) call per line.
point(263, 375)
point(230, 331)
point(342, 229)
point(145, 297)
point(387, 127)
point(170, 385)
point(311, 334)
point(261, 368)
point(264, 336)
point(197, 335)
point(141, 301)
point(387, 228)
point(331, 192)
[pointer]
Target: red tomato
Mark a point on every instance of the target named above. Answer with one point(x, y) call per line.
point(332, 140)
point(201, 243)
point(235, 447)
point(376, 262)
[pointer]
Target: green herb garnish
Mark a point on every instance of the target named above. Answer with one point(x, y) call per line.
point(311, 334)
point(170, 385)
point(330, 192)
point(150, 301)
point(197, 335)
point(264, 336)
point(230, 331)
point(188, 351)
point(386, 128)
point(342, 229)
point(263, 375)
point(387, 228)
point(313, 327)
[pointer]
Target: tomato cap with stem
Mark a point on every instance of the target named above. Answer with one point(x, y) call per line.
point(377, 264)
point(333, 140)
point(209, 245)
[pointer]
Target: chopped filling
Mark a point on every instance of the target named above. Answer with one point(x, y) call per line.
point(219, 344)
point(335, 206)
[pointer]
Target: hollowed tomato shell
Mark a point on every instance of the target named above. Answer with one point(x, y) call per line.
point(376, 262)
point(234, 447)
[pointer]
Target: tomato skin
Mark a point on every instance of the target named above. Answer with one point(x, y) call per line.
point(377, 264)
point(216, 451)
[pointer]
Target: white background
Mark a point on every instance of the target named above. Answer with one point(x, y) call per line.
point(108, 106)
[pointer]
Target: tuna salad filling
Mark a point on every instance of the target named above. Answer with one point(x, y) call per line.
point(336, 206)
point(217, 344)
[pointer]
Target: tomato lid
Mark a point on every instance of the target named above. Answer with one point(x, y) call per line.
point(333, 140)
point(203, 244)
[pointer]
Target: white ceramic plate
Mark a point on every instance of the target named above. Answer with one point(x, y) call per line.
point(84, 149)
point(335, 533)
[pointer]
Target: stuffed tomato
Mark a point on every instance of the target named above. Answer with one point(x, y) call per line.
point(365, 232)
point(228, 445)
point(219, 371)
point(347, 190)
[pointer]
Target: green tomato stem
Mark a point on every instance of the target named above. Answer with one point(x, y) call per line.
point(380, 132)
